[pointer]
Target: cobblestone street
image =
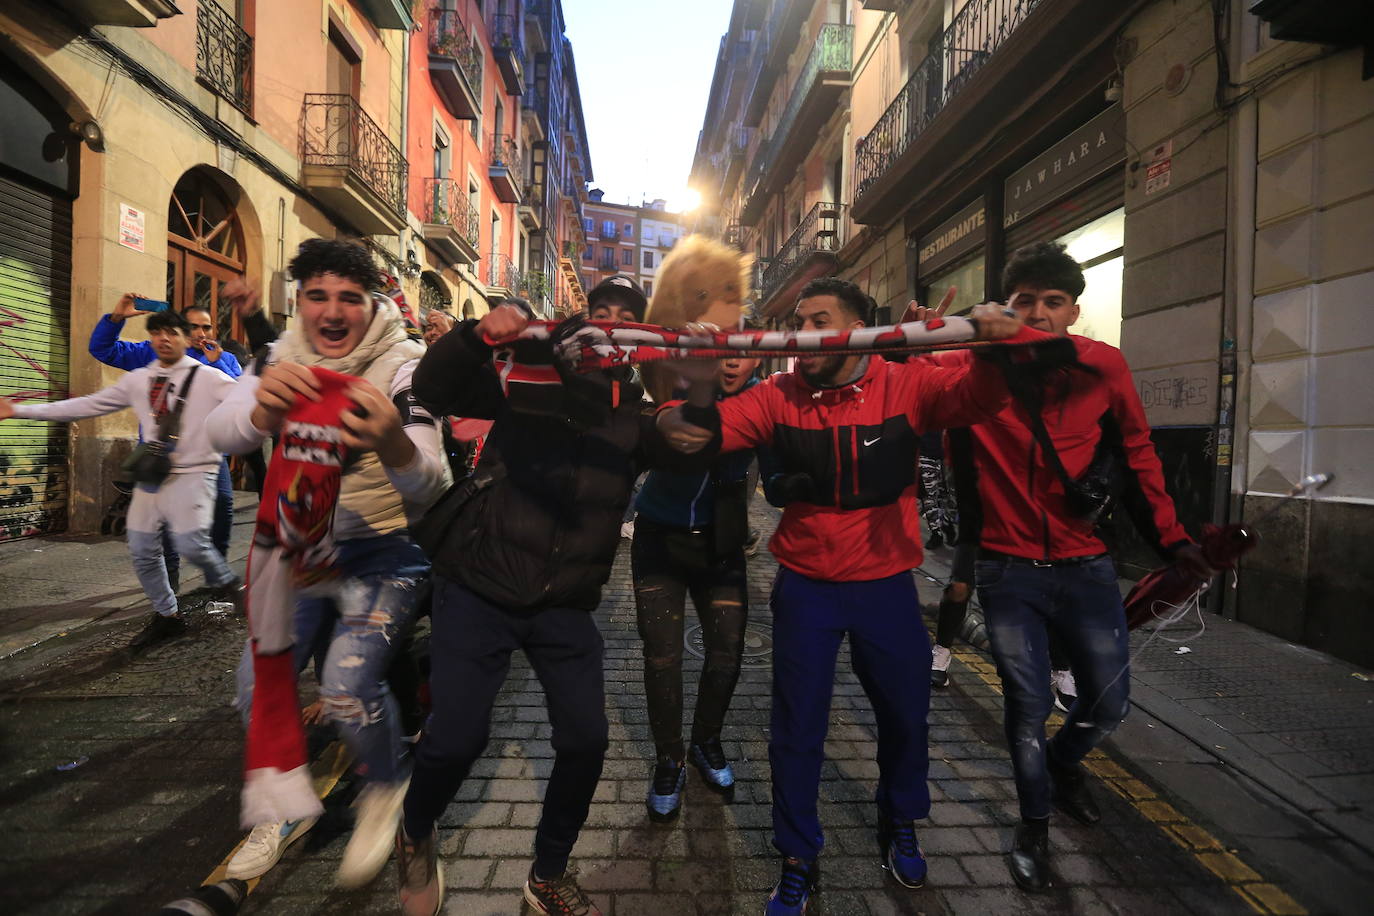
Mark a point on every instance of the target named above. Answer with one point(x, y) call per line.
point(121, 779)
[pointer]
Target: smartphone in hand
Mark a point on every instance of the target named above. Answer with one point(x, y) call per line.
point(151, 305)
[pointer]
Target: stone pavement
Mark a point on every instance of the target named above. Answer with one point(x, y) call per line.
point(119, 781)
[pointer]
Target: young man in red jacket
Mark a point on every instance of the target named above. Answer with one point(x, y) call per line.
point(843, 430)
point(1041, 569)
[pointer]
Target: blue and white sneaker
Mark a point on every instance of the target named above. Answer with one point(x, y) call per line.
point(664, 800)
point(264, 847)
point(794, 888)
point(901, 852)
point(710, 762)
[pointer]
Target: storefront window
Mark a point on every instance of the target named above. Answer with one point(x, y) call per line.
point(967, 277)
point(1098, 246)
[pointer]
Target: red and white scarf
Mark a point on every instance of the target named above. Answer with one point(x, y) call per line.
point(293, 551)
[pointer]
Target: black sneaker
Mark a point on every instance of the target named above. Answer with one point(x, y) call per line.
point(561, 896)
point(159, 628)
point(751, 543)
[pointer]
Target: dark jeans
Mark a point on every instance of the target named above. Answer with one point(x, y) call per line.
point(1080, 605)
point(891, 656)
point(220, 528)
point(669, 564)
point(471, 642)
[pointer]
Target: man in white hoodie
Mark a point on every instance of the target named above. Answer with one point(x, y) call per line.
point(396, 469)
point(171, 385)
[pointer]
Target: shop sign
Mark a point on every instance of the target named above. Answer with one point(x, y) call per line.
point(1159, 167)
point(131, 227)
point(1073, 161)
point(963, 232)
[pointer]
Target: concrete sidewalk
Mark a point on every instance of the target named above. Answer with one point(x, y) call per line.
point(55, 586)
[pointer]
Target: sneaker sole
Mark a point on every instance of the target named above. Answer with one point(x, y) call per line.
point(439, 877)
point(659, 818)
point(887, 867)
point(251, 873)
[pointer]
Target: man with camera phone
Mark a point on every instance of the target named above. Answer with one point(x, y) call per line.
point(1045, 467)
point(173, 470)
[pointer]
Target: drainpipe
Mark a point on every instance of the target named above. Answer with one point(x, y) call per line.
point(1237, 319)
point(402, 236)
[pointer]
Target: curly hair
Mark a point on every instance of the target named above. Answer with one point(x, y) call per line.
point(856, 302)
point(1044, 265)
point(170, 321)
point(335, 256)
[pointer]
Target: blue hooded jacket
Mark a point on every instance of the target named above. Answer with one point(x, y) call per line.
point(106, 346)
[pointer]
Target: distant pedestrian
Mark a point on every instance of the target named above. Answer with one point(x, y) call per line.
point(172, 397)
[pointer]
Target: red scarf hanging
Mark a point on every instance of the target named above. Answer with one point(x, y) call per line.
point(293, 549)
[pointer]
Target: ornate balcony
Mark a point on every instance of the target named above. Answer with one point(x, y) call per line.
point(455, 64)
point(809, 252)
point(533, 112)
point(824, 77)
point(502, 168)
point(387, 14)
point(451, 223)
point(224, 56)
point(508, 51)
point(995, 58)
point(350, 164)
point(503, 277)
point(536, 30)
point(531, 208)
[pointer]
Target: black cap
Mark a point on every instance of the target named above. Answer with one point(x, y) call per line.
point(622, 288)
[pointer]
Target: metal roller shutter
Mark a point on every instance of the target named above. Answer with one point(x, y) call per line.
point(35, 331)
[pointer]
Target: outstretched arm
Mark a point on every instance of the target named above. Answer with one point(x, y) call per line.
point(107, 400)
point(106, 346)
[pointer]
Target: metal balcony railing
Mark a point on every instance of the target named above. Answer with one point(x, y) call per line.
point(505, 34)
point(505, 153)
point(337, 133)
point(608, 233)
point(446, 204)
point(821, 230)
point(976, 33)
point(502, 272)
point(449, 37)
point(224, 55)
point(608, 263)
point(570, 250)
point(833, 51)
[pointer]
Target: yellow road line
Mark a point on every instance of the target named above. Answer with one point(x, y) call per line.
point(325, 771)
point(1243, 880)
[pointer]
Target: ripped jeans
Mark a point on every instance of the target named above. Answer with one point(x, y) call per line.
point(668, 565)
point(1081, 605)
point(353, 632)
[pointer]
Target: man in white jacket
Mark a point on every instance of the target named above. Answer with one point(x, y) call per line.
point(184, 502)
point(395, 471)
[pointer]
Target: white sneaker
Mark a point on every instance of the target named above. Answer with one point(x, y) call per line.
point(1064, 689)
point(939, 666)
point(264, 847)
point(627, 529)
point(379, 814)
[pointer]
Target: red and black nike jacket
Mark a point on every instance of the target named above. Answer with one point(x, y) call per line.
point(858, 446)
point(1024, 511)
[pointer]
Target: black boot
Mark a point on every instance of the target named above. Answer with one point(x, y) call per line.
point(1029, 859)
point(1070, 793)
point(159, 628)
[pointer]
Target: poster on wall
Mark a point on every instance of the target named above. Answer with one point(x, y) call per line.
point(131, 227)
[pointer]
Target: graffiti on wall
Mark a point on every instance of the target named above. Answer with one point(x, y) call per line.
point(33, 360)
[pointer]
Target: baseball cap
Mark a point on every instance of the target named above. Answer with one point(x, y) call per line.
point(622, 288)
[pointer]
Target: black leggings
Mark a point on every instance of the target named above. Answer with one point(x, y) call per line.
point(668, 564)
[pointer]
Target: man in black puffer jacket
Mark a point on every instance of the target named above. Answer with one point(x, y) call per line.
point(521, 567)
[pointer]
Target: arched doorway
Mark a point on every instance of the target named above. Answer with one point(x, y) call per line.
point(434, 293)
point(468, 310)
point(205, 249)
